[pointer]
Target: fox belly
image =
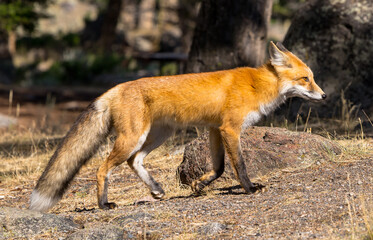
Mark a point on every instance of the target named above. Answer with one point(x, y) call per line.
point(145, 112)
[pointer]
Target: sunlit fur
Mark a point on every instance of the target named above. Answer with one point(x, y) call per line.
point(145, 112)
point(79, 144)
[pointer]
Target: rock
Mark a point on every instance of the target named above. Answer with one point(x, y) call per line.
point(335, 38)
point(129, 221)
point(264, 149)
point(211, 228)
point(17, 223)
point(68, 16)
point(100, 231)
point(149, 234)
point(136, 217)
point(6, 121)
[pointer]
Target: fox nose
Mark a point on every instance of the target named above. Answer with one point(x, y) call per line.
point(323, 96)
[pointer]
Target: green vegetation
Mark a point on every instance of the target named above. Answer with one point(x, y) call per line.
point(22, 14)
point(78, 70)
point(48, 41)
point(285, 9)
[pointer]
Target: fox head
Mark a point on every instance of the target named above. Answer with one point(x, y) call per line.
point(296, 78)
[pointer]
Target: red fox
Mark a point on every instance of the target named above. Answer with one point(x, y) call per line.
point(145, 112)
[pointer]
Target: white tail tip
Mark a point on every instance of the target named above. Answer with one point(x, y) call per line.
point(41, 203)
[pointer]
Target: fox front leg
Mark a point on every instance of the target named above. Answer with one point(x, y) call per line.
point(217, 156)
point(231, 141)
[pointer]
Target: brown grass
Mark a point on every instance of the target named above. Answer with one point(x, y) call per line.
point(19, 171)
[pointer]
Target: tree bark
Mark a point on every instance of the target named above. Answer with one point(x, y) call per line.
point(147, 14)
point(6, 63)
point(12, 39)
point(335, 38)
point(188, 11)
point(108, 28)
point(229, 34)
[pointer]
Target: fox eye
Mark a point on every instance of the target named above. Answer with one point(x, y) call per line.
point(305, 79)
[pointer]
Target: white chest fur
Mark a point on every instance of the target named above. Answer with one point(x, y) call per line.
point(250, 119)
point(267, 108)
point(264, 109)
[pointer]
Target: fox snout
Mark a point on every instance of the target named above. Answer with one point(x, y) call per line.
point(318, 99)
point(314, 95)
point(309, 91)
point(317, 94)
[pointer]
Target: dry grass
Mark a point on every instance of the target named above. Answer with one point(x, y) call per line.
point(24, 168)
point(20, 169)
point(356, 149)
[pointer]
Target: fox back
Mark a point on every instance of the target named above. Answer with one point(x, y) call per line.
point(145, 112)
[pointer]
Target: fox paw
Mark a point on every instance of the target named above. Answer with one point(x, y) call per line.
point(197, 186)
point(257, 187)
point(109, 205)
point(159, 194)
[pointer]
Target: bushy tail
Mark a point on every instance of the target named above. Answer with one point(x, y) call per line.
point(78, 146)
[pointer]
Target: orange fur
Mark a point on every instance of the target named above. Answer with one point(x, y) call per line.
point(145, 112)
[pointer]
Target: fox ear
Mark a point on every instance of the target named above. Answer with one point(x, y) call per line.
point(281, 47)
point(277, 56)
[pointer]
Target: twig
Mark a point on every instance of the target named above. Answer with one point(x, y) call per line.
point(308, 117)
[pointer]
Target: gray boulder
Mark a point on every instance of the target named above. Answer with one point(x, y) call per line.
point(335, 38)
point(264, 149)
point(17, 223)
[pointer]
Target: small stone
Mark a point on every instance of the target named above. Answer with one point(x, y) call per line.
point(6, 121)
point(212, 228)
point(134, 217)
point(99, 231)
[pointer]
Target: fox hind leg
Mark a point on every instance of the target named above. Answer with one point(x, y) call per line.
point(217, 155)
point(124, 148)
point(157, 135)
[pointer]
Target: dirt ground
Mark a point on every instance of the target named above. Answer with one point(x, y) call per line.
point(330, 201)
point(333, 200)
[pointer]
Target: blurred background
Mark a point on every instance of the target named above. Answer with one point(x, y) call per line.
point(58, 55)
point(79, 42)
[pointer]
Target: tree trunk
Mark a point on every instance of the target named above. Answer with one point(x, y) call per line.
point(188, 11)
point(6, 63)
point(108, 28)
point(229, 34)
point(12, 39)
point(335, 38)
point(147, 14)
